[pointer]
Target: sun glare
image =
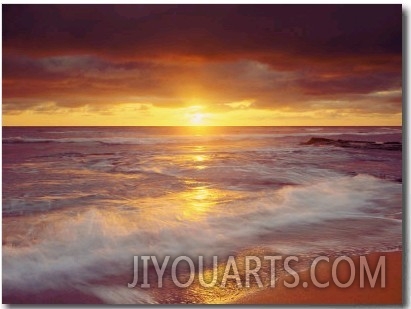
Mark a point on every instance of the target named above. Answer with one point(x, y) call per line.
point(197, 119)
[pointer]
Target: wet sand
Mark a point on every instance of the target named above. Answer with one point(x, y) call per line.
point(391, 294)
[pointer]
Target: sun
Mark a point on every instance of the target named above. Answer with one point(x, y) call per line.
point(197, 119)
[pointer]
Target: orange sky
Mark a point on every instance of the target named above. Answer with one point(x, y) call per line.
point(202, 65)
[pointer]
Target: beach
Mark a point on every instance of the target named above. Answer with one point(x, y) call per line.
point(332, 295)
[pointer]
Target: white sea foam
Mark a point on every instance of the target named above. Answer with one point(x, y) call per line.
point(120, 295)
point(99, 243)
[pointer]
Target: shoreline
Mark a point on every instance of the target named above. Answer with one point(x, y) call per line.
point(390, 294)
point(278, 295)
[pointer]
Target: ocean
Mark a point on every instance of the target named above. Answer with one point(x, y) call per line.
point(80, 202)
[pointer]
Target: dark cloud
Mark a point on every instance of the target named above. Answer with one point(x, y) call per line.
point(204, 31)
point(348, 84)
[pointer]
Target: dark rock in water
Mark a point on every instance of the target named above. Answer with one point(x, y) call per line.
point(354, 144)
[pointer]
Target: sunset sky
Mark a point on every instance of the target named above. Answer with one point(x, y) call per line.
point(202, 64)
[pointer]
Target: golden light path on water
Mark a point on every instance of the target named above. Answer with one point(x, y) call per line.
point(202, 191)
point(159, 211)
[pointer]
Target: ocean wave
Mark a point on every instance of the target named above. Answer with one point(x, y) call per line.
point(77, 250)
point(102, 140)
point(169, 139)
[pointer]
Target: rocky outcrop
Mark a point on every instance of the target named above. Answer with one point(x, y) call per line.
point(319, 141)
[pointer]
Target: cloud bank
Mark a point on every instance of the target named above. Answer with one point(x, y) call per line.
point(294, 58)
